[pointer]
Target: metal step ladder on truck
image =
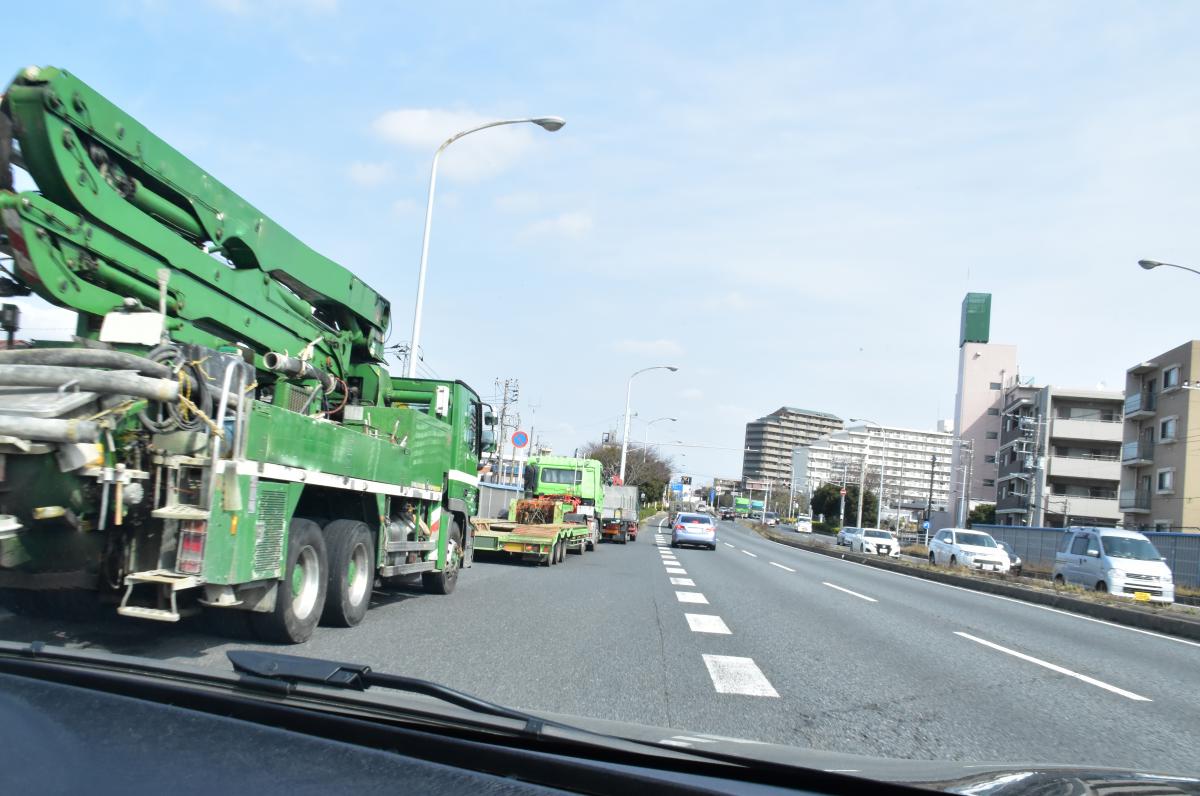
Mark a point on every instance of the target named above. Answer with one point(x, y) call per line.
point(561, 513)
point(619, 516)
point(222, 434)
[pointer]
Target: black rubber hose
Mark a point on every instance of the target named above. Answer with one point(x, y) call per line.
point(85, 358)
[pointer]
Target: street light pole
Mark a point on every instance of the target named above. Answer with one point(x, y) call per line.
point(646, 444)
point(628, 395)
point(550, 124)
point(1151, 264)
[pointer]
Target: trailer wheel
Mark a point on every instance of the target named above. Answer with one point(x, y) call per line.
point(300, 594)
point(351, 573)
point(562, 551)
point(443, 582)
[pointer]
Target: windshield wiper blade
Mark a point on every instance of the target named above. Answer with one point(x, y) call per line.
point(294, 669)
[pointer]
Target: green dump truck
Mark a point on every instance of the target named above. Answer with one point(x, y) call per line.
point(560, 513)
point(222, 434)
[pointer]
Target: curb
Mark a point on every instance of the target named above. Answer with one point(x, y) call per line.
point(1131, 617)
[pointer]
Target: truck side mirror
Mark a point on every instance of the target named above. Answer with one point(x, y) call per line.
point(1094, 553)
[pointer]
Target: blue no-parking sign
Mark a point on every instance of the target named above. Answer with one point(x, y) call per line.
point(520, 439)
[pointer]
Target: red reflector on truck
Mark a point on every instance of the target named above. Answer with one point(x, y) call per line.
point(192, 535)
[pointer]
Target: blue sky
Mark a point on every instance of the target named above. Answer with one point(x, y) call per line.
point(786, 200)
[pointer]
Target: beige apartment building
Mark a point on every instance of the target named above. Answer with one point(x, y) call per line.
point(1160, 455)
point(771, 439)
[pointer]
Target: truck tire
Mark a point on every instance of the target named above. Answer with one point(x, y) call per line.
point(300, 594)
point(444, 582)
point(562, 550)
point(351, 573)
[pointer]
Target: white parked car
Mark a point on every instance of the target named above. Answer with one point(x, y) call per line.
point(1120, 562)
point(960, 547)
point(847, 535)
point(876, 541)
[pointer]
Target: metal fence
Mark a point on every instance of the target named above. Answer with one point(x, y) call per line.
point(1037, 547)
point(494, 500)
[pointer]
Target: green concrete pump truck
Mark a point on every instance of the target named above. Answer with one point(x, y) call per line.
point(560, 512)
point(221, 434)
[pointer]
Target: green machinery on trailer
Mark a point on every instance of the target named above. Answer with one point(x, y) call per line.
point(560, 513)
point(222, 434)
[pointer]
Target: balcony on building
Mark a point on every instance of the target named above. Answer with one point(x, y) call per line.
point(1012, 503)
point(1140, 405)
point(1087, 430)
point(1137, 453)
point(1096, 507)
point(1134, 501)
point(1096, 467)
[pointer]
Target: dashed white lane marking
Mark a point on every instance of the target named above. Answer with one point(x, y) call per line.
point(676, 571)
point(682, 582)
point(733, 675)
point(752, 555)
point(694, 597)
point(727, 544)
point(707, 623)
point(1052, 667)
point(781, 566)
point(856, 594)
point(1012, 600)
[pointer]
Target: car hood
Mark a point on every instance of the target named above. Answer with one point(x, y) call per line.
point(1133, 566)
point(974, 777)
point(997, 552)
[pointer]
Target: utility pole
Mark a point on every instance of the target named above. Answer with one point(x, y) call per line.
point(509, 392)
point(929, 505)
point(862, 481)
point(845, 474)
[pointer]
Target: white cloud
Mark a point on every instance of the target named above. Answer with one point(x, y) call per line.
point(368, 174)
point(520, 202)
point(571, 224)
point(241, 7)
point(691, 394)
point(649, 347)
point(474, 157)
point(404, 207)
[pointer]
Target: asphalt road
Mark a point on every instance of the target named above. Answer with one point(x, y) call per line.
point(761, 641)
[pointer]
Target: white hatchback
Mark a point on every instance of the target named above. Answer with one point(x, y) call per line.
point(960, 547)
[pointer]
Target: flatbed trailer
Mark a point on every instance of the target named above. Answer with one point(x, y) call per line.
point(545, 544)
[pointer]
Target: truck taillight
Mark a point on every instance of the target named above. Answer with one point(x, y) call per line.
point(192, 534)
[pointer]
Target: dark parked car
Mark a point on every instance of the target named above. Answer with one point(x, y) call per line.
point(1015, 569)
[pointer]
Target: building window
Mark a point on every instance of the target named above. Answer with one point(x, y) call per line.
point(992, 435)
point(990, 459)
point(994, 385)
point(989, 482)
point(1170, 378)
point(1166, 480)
point(1167, 428)
point(994, 412)
point(1162, 526)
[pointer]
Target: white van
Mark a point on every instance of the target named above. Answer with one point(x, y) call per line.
point(1116, 561)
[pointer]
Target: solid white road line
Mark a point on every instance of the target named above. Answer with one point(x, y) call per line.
point(752, 555)
point(1054, 668)
point(676, 571)
point(781, 566)
point(682, 582)
point(694, 597)
point(856, 594)
point(707, 623)
point(733, 675)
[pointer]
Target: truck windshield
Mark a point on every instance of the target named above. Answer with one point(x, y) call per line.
point(553, 475)
point(1124, 547)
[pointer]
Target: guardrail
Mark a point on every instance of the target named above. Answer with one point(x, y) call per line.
point(1038, 546)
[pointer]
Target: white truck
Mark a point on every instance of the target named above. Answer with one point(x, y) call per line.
point(619, 514)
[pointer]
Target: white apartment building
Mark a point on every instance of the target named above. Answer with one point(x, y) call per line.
point(911, 459)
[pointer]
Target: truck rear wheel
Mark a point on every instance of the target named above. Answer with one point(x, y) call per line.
point(300, 594)
point(443, 582)
point(351, 573)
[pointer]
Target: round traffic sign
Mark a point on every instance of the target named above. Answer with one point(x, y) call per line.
point(520, 439)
